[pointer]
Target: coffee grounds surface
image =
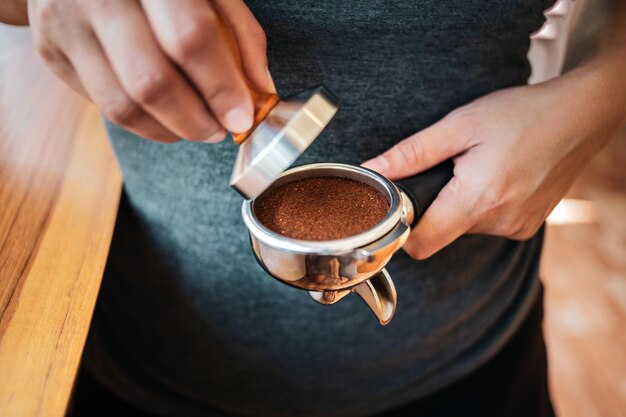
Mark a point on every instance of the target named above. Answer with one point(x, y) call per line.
point(321, 208)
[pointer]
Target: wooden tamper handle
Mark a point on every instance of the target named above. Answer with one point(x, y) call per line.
point(263, 102)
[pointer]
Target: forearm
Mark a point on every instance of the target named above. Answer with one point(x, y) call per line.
point(14, 12)
point(594, 93)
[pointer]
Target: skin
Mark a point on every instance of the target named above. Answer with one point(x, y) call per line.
point(516, 151)
point(141, 62)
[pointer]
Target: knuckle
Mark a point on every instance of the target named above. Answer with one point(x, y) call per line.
point(55, 60)
point(520, 235)
point(456, 194)
point(192, 37)
point(464, 115)
point(145, 88)
point(47, 10)
point(513, 227)
point(120, 112)
point(45, 50)
point(469, 122)
point(511, 230)
point(257, 33)
point(527, 232)
point(221, 93)
point(411, 150)
point(492, 199)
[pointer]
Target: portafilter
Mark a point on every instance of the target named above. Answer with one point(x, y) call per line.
point(328, 270)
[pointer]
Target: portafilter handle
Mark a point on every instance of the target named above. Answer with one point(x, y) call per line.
point(424, 187)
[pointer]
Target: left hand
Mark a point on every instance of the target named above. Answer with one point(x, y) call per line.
point(516, 152)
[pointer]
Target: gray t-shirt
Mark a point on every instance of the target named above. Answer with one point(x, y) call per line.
point(187, 323)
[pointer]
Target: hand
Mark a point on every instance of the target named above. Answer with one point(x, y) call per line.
point(160, 68)
point(516, 153)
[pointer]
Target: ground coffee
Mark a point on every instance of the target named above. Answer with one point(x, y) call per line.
point(323, 208)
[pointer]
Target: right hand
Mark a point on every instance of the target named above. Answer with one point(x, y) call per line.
point(160, 68)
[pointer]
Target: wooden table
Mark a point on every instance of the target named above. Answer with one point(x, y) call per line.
point(59, 191)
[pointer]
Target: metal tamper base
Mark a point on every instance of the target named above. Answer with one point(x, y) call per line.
point(288, 129)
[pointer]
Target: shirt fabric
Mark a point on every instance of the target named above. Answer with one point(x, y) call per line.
point(188, 324)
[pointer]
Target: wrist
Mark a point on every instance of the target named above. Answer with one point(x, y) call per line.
point(588, 104)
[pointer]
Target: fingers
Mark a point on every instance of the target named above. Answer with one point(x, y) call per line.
point(419, 152)
point(146, 74)
point(446, 219)
point(251, 41)
point(60, 65)
point(51, 37)
point(107, 93)
point(192, 35)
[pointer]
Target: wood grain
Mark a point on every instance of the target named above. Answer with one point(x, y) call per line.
point(59, 191)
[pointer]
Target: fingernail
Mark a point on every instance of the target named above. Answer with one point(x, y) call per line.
point(379, 164)
point(238, 120)
point(271, 87)
point(216, 137)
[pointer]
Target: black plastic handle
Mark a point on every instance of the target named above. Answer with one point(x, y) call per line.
point(423, 188)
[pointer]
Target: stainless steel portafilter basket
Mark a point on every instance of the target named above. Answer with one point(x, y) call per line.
point(332, 269)
point(328, 270)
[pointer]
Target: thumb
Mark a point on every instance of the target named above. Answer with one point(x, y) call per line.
point(251, 41)
point(418, 152)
